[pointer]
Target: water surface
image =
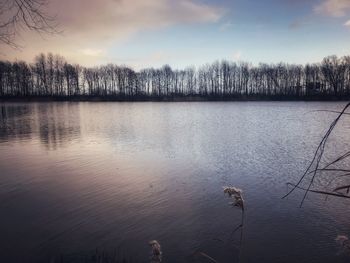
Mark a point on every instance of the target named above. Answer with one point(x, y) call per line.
point(79, 176)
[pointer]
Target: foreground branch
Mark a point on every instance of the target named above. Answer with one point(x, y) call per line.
point(316, 162)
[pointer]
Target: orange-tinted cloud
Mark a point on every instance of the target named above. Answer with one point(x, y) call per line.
point(91, 27)
point(336, 8)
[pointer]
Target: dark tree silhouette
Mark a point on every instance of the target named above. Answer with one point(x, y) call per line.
point(52, 76)
point(17, 15)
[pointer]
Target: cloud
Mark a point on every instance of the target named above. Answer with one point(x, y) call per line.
point(347, 23)
point(296, 25)
point(154, 59)
point(92, 27)
point(300, 23)
point(237, 55)
point(225, 26)
point(111, 18)
point(336, 8)
point(92, 52)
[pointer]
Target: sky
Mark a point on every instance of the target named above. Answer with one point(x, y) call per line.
point(181, 33)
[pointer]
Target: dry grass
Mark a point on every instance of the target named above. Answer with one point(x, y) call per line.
point(332, 168)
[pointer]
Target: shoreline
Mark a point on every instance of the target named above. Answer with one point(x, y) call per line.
point(195, 98)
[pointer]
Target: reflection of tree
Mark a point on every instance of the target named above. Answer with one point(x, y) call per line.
point(16, 122)
point(57, 126)
point(51, 123)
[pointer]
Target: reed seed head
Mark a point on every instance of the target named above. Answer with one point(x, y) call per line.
point(343, 240)
point(156, 255)
point(236, 195)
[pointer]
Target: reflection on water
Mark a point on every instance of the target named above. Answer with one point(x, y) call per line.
point(21, 121)
point(14, 122)
point(80, 176)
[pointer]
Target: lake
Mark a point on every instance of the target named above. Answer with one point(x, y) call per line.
point(76, 177)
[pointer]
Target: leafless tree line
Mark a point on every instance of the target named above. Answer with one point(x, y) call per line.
point(52, 75)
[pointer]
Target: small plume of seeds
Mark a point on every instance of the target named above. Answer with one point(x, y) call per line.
point(236, 195)
point(156, 253)
point(344, 242)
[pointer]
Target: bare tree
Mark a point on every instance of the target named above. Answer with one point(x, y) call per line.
point(333, 70)
point(18, 15)
point(51, 75)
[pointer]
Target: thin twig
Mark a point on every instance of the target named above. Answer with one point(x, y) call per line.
point(207, 256)
point(332, 111)
point(317, 158)
point(319, 192)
